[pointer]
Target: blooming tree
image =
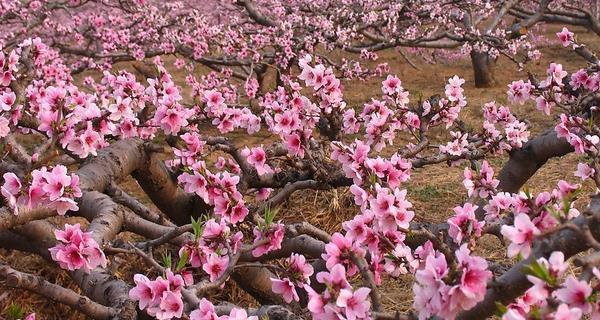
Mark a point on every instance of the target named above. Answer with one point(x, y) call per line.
point(68, 143)
point(248, 38)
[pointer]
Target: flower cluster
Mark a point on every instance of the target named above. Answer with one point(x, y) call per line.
point(383, 119)
point(161, 298)
point(534, 216)
point(362, 169)
point(257, 158)
point(54, 189)
point(219, 190)
point(212, 248)
point(443, 293)
point(339, 300)
point(9, 111)
point(515, 131)
point(206, 311)
point(299, 272)
point(77, 249)
point(267, 237)
point(573, 297)
point(481, 183)
point(226, 118)
point(464, 224)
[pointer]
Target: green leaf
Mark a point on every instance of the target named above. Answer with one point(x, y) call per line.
point(167, 261)
point(500, 309)
point(183, 260)
point(15, 311)
point(269, 215)
point(553, 212)
point(373, 179)
point(527, 193)
point(535, 313)
point(197, 227)
point(539, 271)
point(478, 168)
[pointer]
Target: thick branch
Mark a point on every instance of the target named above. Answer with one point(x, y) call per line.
point(36, 284)
point(525, 162)
point(163, 190)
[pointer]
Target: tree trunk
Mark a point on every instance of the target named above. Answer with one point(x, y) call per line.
point(482, 69)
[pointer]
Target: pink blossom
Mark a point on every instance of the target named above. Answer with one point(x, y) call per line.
point(179, 63)
point(383, 203)
point(215, 266)
point(565, 36)
point(473, 281)
point(500, 201)
point(357, 228)
point(575, 293)
point(195, 183)
point(6, 78)
point(335, 279)
point(482, 184)
point(170, 306)
point(464, 223)
point(356, 304)
point(300, 269)
point(520, 235)
point(62, 205)
point(543, 105)
point(294, 145)
point(240, 314)
point(274, 235)
point(556, 73)
point(556, 263)
point(338, 251)
point(454, 90)
point(285, 288)
point(121, 109)
point(584, 171)
point(56, 181)
point(287, 122)
point(565, 188)
point(4, 127)
point(173, 120)
point(581, 78)
point(205, 311)
point(519, 91)
point(77, 250)
point(238, 213)
point(214, 99)
point(7, 100)
point(350, 123)
point(430, 291)
point(516, 134)
point(565, 313)
point(400, 261)
point(251, 86)
point(513, 314)
point(12, 183)
point(87, 143)
point(391, 85)
point(257, 158)
point(142, 291)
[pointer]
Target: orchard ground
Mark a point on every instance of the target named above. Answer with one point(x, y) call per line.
point(433, 191)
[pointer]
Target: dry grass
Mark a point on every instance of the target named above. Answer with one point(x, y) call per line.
point(434, 191)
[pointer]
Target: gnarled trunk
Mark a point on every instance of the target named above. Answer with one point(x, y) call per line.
point(482, 69)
